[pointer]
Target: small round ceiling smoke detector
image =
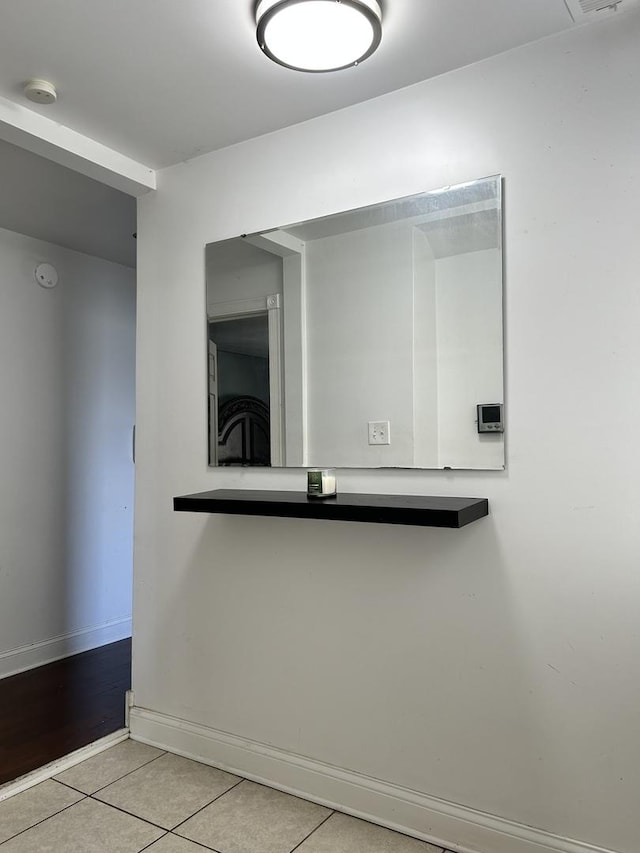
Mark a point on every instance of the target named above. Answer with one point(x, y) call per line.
point(46, 275)
point(40, 92)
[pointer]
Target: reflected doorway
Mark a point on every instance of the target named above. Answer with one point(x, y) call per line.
point(239, 391)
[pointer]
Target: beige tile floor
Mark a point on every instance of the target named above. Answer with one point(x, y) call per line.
point(134, 797)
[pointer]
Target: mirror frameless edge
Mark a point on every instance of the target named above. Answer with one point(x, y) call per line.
point(369, 338)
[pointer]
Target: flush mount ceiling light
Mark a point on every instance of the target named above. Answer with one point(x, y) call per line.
point(318, 35)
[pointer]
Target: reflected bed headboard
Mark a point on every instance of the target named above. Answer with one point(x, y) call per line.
point(244, 436)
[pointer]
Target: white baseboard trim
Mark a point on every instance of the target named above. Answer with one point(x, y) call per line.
point(17, 786)
point(443, 823)
point(46, 651)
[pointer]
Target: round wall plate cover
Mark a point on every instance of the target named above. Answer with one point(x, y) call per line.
point(46, 275)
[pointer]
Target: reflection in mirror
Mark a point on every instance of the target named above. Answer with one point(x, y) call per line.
point(371, 338)
point(239, 387)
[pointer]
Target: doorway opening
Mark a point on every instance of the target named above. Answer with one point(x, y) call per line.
point(69, 383)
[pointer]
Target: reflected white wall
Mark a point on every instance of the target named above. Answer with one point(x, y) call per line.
point(469, 356)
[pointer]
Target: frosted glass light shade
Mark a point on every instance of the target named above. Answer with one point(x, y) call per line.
point(318, 35)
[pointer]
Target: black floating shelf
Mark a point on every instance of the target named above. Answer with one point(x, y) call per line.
point(383, 509)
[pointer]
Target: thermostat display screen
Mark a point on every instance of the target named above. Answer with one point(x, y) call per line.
point(490, 414)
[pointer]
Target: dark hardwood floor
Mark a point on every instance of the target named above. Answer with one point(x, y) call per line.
point(49, 711)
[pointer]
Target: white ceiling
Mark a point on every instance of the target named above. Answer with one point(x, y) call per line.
point(49, 202)
point(162, 81)
point(144, 84)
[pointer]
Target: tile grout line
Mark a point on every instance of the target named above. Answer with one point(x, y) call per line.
point(315, 829)
point(64, 784)
point(436, 848)
point(165, 831)
point(214, 800)
point(44, 819)
point(124, 776)
point(130, 814)
point(122, 810)
point(147, 846)
point(83, 794)
point(197, 843)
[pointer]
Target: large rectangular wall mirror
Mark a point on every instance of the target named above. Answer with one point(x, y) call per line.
point(371, 338)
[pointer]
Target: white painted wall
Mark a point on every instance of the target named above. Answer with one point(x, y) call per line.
point(495, 666)
point(66, 490)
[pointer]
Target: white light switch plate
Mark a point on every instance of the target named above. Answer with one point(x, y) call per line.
point(379, 432)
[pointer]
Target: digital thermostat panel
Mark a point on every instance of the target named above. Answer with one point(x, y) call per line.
point(490, 417)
